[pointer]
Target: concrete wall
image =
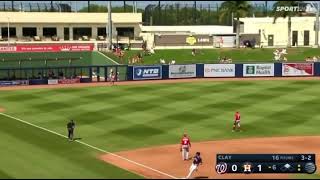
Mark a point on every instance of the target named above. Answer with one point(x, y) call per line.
point(60, 28)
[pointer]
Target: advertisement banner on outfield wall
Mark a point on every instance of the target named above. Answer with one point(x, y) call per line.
point(256, 70)
point(14, 83)
point(48, 48)
point(147, 72)
point(182, 71)
point(297, 69)
point(52, 81)
point(68, 81)
point(219, 70)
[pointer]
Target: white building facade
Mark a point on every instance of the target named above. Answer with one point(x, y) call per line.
point(276, 34)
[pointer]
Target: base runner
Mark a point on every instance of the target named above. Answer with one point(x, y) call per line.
point(185, 147)
point(197, 161)
point(236, 124)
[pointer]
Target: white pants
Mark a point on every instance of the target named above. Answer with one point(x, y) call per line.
point(238, 124)
point(192, 168)
point(185, 152)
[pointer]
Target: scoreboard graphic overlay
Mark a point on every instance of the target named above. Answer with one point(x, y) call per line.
point(266, 163)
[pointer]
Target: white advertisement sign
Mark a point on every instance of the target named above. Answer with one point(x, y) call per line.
point(251, 70)
point(182, 71)
point(52, 81)
point(219, 70)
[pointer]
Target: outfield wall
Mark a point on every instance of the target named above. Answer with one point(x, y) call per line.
point(85, 74)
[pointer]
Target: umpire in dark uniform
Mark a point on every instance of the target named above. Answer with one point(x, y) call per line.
point(71, 125)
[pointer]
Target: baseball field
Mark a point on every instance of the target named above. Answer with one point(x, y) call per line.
point(133, 129)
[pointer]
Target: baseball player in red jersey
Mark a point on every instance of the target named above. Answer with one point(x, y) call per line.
point(185, 146)
point(236, 124)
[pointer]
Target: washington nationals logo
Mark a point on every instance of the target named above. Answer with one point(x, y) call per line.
point(221, 168)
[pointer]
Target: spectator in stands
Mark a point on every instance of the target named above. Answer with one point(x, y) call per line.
point(60, 75)
point(121, 57)
point(51, 74)
point(152, 51)
point(193, 52)
point(247, 44)
point(139, 55)
point(253, 43)
point(162, 61)
point(308, 59)
point(172, 62)
point(315, 59)
point(39, 75)
point(144, 45)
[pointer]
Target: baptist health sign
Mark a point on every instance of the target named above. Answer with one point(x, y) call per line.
point(219, 70)
point(255, 70)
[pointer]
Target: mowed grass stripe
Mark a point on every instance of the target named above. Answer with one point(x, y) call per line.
point(32, 153)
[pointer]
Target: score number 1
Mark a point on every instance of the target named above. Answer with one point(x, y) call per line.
point(259, 167)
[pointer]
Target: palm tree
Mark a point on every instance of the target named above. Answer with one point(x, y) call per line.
point(285, 14)
point(239, 9)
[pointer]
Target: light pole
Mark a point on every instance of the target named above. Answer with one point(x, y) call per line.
point(8, 32)
point(317, 26)
point(109, 25)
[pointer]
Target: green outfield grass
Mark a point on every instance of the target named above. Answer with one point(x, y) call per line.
point(128, 117)
point(184, 56)
point(11, 60)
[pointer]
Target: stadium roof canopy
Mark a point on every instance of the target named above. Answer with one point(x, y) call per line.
point(68, 18)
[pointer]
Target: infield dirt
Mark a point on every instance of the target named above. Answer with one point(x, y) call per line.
point(168, 159)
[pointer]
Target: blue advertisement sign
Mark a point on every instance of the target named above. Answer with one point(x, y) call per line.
point(147, 72)
point(13, 83)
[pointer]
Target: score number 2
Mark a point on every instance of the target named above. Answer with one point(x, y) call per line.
point(303, 158)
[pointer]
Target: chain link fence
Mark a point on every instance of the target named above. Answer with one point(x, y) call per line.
point(154, 12)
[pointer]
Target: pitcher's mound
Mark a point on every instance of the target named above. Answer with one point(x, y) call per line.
point(166, 161)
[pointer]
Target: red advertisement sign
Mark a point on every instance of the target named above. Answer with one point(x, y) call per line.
point(297, 69)
point(68, 81)
point(8, 49)
point(47, 48)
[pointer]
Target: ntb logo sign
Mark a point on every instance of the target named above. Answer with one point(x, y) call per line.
point(147, 72)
